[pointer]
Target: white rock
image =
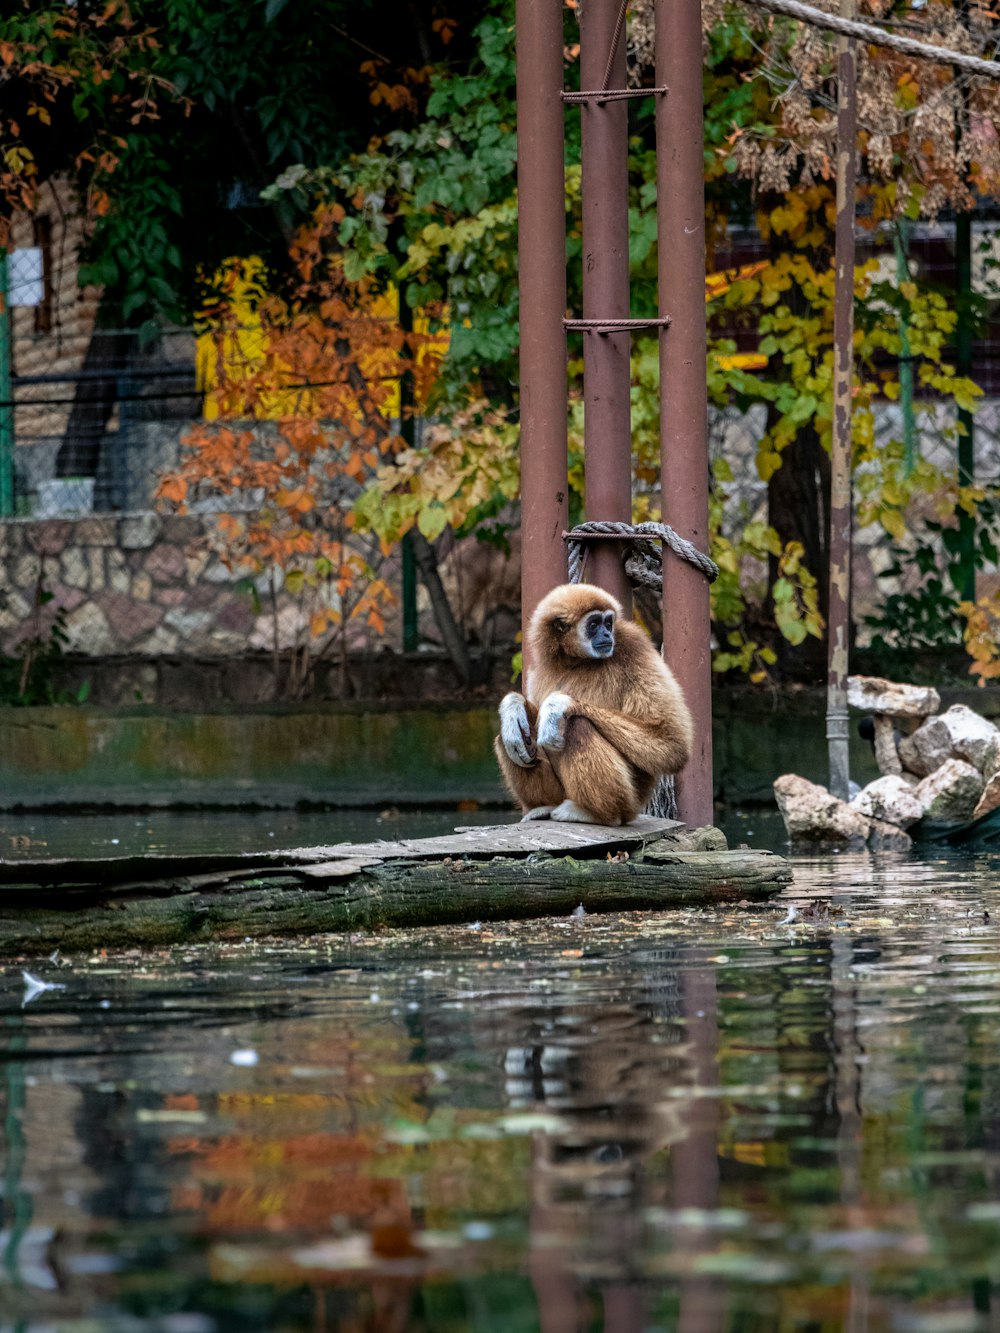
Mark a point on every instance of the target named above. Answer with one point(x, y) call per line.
point(876, 695)
point(991, 758)
point(891, 799)
point(957, 734)
point(811, 814)
point(950, 794)
point(990, 798)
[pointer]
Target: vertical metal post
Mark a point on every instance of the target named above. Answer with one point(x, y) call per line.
point(407, 429)
point(964, 335)
point(606, 370)
point(542, 286)
point(840, 463)
point(905, 354)
point(6, 397)
point(683, 393)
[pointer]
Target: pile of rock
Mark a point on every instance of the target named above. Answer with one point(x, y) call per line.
point(943, 768)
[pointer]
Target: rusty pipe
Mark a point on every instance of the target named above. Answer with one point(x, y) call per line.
point(606, 369)
point(683, 382)
point(542, 288)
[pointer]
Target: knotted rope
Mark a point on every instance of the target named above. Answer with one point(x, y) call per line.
point(643, 557)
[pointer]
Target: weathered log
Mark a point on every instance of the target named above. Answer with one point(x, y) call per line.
point(315, 898)
point(519, 839)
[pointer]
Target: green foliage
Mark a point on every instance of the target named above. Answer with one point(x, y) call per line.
point(172, 115)
point(432, 209)
point(32, 679)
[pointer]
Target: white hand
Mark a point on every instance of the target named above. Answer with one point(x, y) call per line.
point(552, 718)
point(515, 731)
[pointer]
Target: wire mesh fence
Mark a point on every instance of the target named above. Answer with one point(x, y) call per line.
point(94, 434)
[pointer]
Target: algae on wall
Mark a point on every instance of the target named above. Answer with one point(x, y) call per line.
point(352, 755)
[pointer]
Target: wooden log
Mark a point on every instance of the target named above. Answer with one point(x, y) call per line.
point(311, 899)
point(520, 839)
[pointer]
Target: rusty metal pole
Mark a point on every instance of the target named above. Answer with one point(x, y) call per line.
point(838, 628)
point(607, 423)
point(680, 187)
point(542, 286)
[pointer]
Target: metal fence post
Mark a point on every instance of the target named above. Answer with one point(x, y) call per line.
point(683, 390)
point(606, 368)
point(542, 286)
point(839, 627)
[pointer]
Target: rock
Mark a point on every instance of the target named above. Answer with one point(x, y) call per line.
point(876, 695)
point(884, 837)
point(95, 532)
point(957, 734)
point(73, 570)
point(991, 758)
point(166, 564)
point(87, 631)
point(811, 814)
point(139, 531)
point(990, 798)
point(950, 794)
point(50, 537)
point(127, 619)
point(890, 799)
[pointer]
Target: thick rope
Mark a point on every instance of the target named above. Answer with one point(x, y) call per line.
point(643, 561)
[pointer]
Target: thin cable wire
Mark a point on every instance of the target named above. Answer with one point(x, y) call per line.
point(868, 32)
point(619, 25)
point(611, 95)
point(614, 325)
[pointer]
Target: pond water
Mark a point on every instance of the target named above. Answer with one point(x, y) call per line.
point(703, 1121)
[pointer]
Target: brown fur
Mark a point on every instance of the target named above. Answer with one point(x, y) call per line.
point(628, 722)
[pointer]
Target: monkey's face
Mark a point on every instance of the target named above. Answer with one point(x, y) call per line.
point(575, 622)
point(597, 634)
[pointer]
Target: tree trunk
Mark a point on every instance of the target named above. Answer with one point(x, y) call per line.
point(353, 897)
point(95, 397)
point(798, 504)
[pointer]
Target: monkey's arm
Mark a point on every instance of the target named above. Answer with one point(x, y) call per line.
point(527, 772)
point(660, 746)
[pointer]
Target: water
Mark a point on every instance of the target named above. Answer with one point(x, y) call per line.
point(700, 1121)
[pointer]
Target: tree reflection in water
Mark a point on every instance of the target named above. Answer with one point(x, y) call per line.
point(696, 1122)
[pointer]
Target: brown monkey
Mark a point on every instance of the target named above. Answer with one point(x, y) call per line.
point(604, 716)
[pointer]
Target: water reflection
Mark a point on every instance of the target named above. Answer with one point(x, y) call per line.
point(695, 1121)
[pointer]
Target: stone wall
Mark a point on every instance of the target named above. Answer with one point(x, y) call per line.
point(145, 585)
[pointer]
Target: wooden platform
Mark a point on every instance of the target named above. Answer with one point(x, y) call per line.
point(484, 873)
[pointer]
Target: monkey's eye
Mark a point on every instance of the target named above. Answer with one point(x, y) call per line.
point(560, 626)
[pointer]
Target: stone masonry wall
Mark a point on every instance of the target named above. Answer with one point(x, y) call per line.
point(141, 584)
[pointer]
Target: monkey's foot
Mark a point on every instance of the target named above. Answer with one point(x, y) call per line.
point(539, 812)
point(568, 812)
point(552, 719)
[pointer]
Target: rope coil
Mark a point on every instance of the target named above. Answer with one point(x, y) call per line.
point(644, 561)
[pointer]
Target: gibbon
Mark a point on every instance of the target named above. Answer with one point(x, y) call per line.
point(604, 716)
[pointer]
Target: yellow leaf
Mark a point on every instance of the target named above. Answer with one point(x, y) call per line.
point(892, 521)
point(768, 462)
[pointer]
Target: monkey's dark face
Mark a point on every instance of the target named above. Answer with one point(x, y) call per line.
point(592, 635)
point(597, 634)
